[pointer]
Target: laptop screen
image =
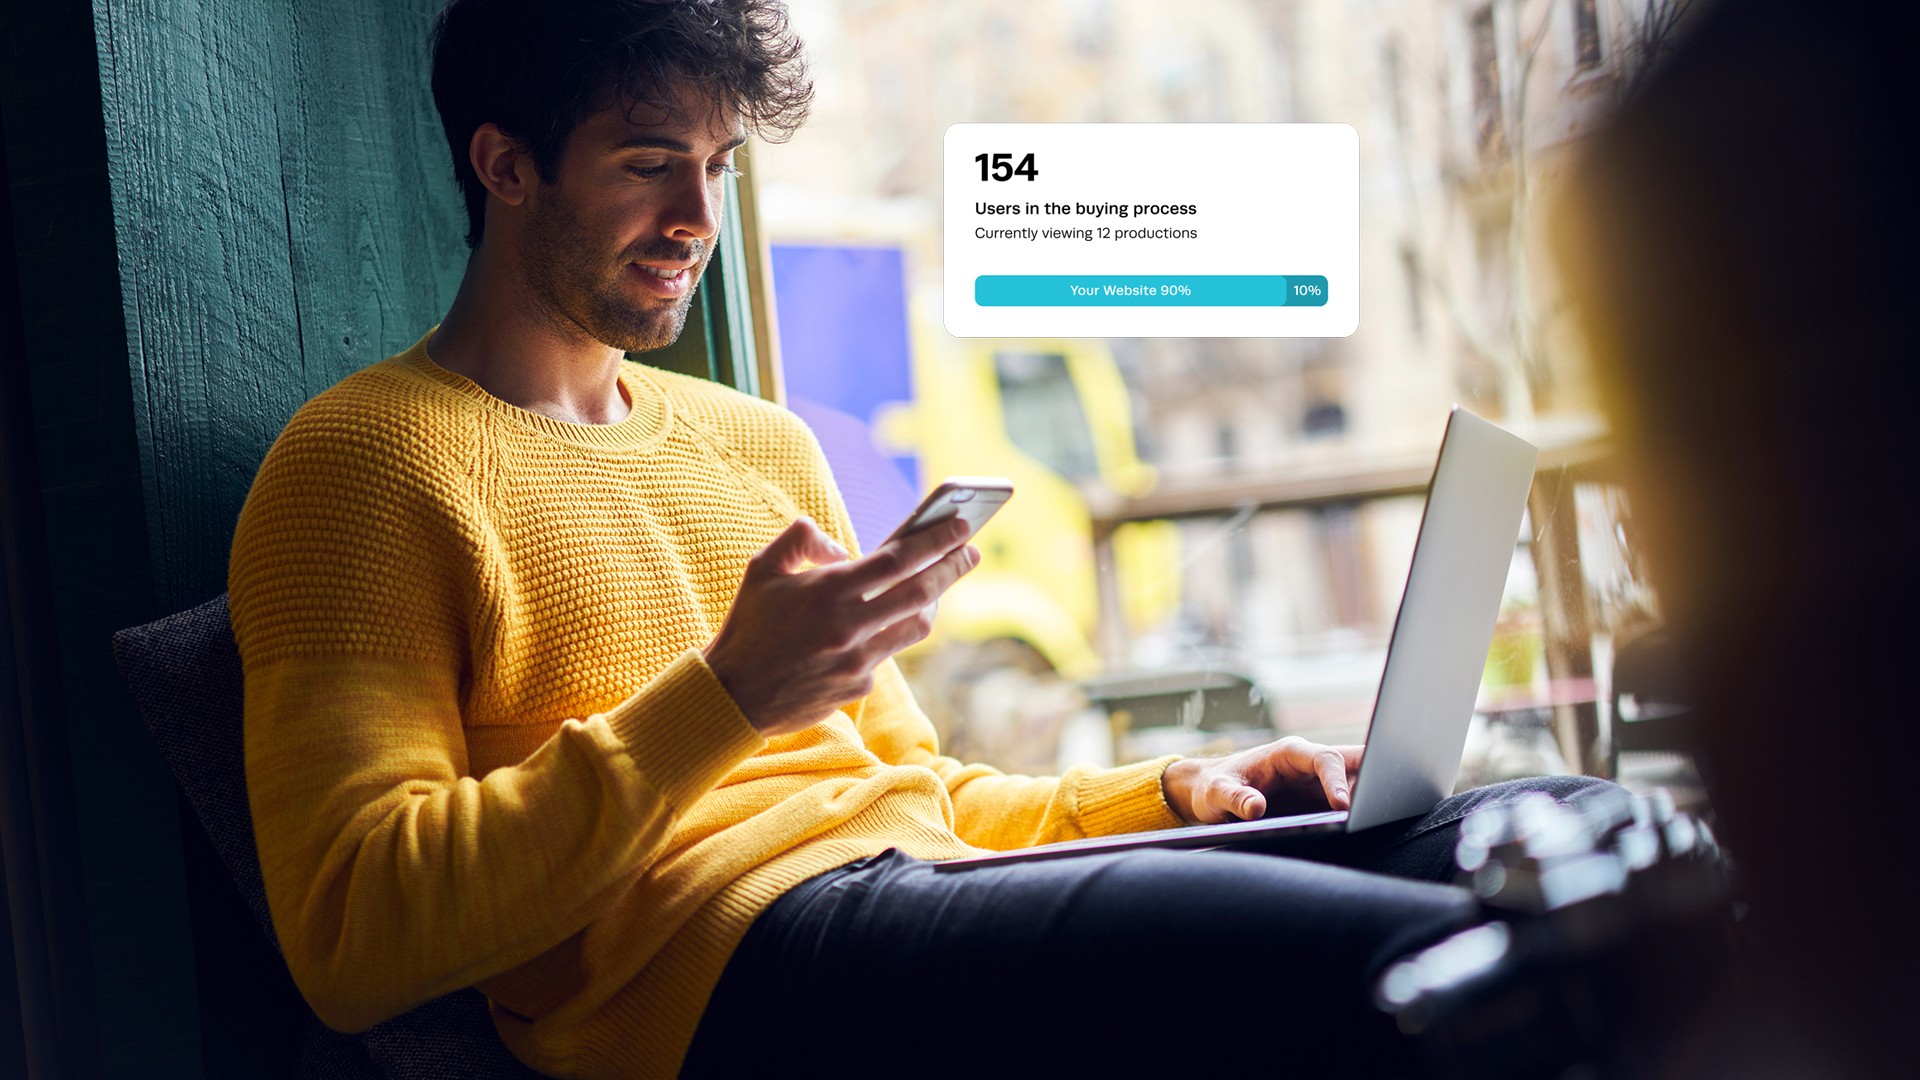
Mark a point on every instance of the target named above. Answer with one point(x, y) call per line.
point(1445, 624)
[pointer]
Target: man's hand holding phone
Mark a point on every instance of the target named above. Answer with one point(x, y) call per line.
point(801, 641)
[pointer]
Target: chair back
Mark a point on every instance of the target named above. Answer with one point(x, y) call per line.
point(185, 674)
point(184, 671)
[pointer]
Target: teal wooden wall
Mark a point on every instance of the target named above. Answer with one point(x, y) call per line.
point(218, 209)
point(286, 215)
point(221, 208)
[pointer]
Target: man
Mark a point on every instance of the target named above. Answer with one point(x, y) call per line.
point(1760, 447)
point(561, 675)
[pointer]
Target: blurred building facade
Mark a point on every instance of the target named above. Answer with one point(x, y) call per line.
point(1467, 110)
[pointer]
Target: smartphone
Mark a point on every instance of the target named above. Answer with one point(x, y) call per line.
point(975, 498)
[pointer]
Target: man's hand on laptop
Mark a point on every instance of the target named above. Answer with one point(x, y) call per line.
point(803, 640)
point(1292, 774)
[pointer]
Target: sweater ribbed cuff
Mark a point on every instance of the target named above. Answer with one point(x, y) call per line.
point(684, 731)
point(1127, 799)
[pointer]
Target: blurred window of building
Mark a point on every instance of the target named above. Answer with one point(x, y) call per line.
point(1044, 413)
point(1226, 445)
point(1324, 419)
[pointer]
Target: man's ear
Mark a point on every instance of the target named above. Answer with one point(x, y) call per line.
point(502, 164)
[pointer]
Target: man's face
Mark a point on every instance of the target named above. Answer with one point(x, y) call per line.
point(615, 243)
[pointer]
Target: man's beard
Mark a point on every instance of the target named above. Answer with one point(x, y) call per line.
point(576, 286)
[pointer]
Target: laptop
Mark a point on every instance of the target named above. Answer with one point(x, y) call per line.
point(1434, 658)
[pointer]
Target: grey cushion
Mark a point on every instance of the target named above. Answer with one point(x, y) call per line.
point(185, 674)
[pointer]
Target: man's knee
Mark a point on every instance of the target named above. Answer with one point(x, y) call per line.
point(1425, 848)
point(1561, 788)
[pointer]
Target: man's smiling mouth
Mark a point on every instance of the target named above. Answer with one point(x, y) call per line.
point(665, 282)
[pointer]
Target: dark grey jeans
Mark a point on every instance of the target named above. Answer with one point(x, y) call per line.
point(1207, 963)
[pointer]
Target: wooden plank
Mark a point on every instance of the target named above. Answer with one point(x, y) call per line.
point(203, 256)
point(285, 214)
point(303, 226)
point(732, 311)
point(763, 311)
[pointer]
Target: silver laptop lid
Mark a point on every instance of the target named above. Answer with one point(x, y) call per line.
point(1445, 625)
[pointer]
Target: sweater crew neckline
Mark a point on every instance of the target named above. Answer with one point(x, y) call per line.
point(643, 428)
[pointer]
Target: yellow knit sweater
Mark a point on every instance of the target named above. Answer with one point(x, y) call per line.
point(482, 746)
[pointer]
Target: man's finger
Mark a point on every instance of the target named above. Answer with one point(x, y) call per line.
point(1227, 796)
point(797, 545)
point(924, 588)
point(1331, 764)
point(908, 631)
point(898, 560)
point(1252, 805)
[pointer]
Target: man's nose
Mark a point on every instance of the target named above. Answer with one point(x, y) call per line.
point(694, 212)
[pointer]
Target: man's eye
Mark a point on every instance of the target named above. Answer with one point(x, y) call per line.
point(722, 168)
point(648, 172)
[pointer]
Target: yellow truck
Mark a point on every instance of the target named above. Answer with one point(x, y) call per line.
point(1053, 416)
point(1011, 639)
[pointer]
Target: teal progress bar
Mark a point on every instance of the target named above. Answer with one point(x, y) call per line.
point(1150, 290)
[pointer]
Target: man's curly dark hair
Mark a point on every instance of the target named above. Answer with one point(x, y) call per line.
point(537, 68)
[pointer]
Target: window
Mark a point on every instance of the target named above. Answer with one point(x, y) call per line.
point(1044, 415)
point(1323, 420)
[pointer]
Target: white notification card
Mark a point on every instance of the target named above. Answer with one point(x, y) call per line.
point(1152, 230)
